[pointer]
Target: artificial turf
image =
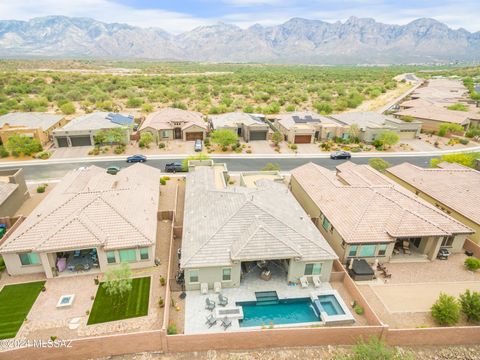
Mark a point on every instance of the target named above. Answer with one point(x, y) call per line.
point(133, 304)
point(15, 303)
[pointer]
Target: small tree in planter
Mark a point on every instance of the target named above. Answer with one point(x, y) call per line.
point(118, 281)
point(446, 310)
point(277, 138)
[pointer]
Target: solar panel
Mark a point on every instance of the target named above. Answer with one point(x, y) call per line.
point(120, 119)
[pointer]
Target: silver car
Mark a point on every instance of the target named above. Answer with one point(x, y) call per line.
point(198, 145)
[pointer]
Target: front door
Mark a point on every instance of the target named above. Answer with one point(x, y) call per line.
point(177, 133)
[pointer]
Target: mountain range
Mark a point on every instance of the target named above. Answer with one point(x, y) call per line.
point(355, 41)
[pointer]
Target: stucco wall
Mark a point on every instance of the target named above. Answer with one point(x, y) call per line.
point(296, 270)
point(15, 267)
point(211, 275)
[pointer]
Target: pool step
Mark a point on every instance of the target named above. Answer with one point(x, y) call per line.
point(266, 297)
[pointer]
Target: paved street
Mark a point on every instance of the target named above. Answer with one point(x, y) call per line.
point(48, 170)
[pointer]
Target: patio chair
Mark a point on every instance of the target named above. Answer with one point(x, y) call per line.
point(204, 288)
point(406, 247)
point(316, 281)
point(226, 323)
point(222, 300)
point(304, 282)
point(217, 287)
point(209, 304)
point(76, 253)
point(211, 320)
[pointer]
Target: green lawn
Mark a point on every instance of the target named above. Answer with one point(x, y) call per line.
point(15, 303)
point(135, 303)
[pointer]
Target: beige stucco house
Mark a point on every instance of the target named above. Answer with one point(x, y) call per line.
point(172, 124)
point(36, 125)
point(452, 188)
point(308, 127)
point(13, 191)
point(363, 214)
point(248, 126)
point(228, 231)
point(371, 124)
point(91, 221)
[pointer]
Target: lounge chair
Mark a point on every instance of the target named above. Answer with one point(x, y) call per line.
point(226, 323)
point(204, 288)
point(304, 282)
point(222, 300)
point(316, 281)
point(217, 287)
point(209, 304)
point(211, 320)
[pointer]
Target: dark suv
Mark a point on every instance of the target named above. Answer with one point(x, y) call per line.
point(174, 167)
point(136, 158)
point(340, 155)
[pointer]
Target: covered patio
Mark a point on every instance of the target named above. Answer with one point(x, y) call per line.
point(74, 262)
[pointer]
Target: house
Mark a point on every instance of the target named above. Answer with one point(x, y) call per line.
point(431, 117)
point(452, 188)
point(13, 191)
point(173, 124)
point(363, 214)
point(307, 127)
point(81, 130)
point(249, 126)
point(89, 222)
point(229, 231)
point(36, 125)
point(371, 124)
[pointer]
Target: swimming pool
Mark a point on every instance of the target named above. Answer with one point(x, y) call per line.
point(287, 311)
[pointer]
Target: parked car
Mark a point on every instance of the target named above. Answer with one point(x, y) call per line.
point(136, 158)
point(340, 155)
point(174, 167)
point(198, 145)
point(113, 170)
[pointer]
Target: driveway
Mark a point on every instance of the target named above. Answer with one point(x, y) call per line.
point(71, 152)
point(398, 298)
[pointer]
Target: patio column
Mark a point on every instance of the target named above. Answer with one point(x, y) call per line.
point(47, 267)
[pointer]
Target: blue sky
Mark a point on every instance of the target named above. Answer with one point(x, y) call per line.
point(183, 15)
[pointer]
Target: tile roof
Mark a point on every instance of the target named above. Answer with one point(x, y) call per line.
point(436, 113)
point(33, 120)
point(370, 208)
point(372, 120)
point(456, 186)
point(238, 223)
point(96, 121)
point(162, 119)
point(288, 121)
point(232, 119)
point(92, 208)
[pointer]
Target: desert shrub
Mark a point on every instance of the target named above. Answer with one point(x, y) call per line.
point(41, 189)
point(448, 128)
point(472, 132)
point(294, 146)
point(464, 141)
point(271, 167)
point(119, 149)
point(379, 164)
point(466, 159)
point(374, 349)
point(163, 181)
point(472, 264)
point(458, 107)
point(161, 145)
point(206, 142)
point(172, 329)
point(470, 303)
point(68, 108)
point(2, 264)
point(358, 309)
point(446, 310)
point(3, 152)
point(43, 155)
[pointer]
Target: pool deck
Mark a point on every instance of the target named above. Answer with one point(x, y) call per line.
point(196, 314)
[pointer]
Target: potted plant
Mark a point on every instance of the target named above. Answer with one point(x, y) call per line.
point(161, 302)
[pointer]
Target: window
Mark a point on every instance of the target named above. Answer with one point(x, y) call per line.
point(193, 274)
point(448, 241)
point(416, 241)
point(29, 259)
point(143, 253)
point(326, 223)
point(128, 255)
point(164, 134)
point(367, 250)
point(226, 274)
point(313, 269)
point(382, 249)
point(345, 136)
point(353, 250)
point(111, 257)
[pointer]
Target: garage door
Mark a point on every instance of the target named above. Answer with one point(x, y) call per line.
point(194, 136)
point(258, 135)
point(303, 139)
point(80, 140)
point(62, 141)
point(407, 134)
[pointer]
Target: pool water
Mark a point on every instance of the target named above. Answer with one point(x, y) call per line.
point(288, 311)
point(331, 305)
point(65, 300)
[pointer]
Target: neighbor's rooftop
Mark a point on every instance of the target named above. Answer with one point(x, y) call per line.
point(455, 186)
point(222, 225)
point(365, 206)
point(32, 120)
point(303, 119)
point(372, 120)
point(435, 113)
point(232, 119)
point(90, 208)
point(98, 120)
